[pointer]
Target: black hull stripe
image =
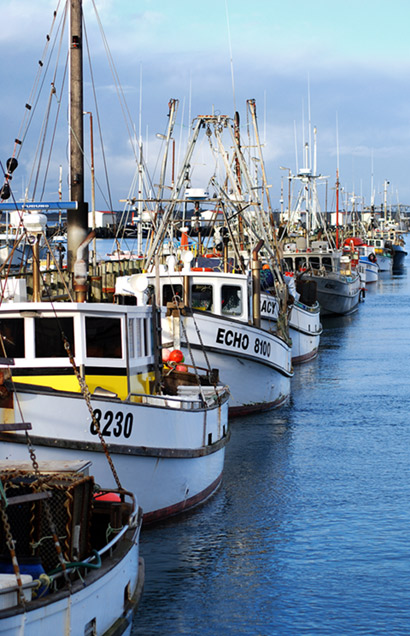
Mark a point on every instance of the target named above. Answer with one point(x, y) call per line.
point(119, 449)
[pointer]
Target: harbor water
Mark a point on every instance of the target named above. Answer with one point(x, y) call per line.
point(310, 531)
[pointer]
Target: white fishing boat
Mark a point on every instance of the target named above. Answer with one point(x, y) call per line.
point(213, 310)
point(210, 318)
point(99, 382)
point(69, 552)
point(362, 258)
point(383, 253)
point(304, 319)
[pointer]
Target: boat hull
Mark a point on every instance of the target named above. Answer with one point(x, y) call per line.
point(304, 327)
point(399, 255)
point(170, 458)
point(370, 270)
point(108, 601)
point(254, 363)
point(337, 294)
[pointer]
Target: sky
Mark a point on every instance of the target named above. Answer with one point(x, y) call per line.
point(342, 67)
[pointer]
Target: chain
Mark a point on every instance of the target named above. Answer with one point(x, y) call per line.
point(87, 396)
point(11, 546)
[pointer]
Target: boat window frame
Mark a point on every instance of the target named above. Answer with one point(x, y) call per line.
point(241, 299)
point(99, 360)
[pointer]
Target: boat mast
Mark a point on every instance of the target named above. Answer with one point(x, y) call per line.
point(77, 220)
point(337, 208)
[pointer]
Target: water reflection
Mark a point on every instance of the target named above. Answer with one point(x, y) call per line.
point(309, 531)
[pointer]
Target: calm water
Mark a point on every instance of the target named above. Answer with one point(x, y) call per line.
point(310, 532)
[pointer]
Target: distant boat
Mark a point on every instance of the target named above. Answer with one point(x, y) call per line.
point(363, 258)
point(304, 318)
point(383, 252)
point(338, 286)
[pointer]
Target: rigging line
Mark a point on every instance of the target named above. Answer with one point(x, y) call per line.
point(54, 92)
point(53, 136)
point(37, 161)
point(37, 86)
point(230, 54)
point(109, 203)
point(120, 92)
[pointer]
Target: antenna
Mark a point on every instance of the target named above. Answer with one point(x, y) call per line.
point(309, 124)
point(230, 53)
point(296, 147)
point(140, 113)
point(337, 143)
point(371, 181)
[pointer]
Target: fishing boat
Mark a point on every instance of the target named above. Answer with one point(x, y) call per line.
point(209, 316)
point(382, 252)
point(338, 286)
point(88, 374)
point(69, 551)
point(363, 259)
point(99, 377)
point(305, 327)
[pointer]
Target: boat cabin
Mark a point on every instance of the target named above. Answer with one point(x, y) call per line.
point(112, 346)
point(318, 257)
point(215, 292)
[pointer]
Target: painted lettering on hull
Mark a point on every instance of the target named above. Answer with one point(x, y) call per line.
point(268, 307)
point(237, 340)
point(232, 338)
point(117, 424)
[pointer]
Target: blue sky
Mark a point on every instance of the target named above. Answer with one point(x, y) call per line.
point(352, 57)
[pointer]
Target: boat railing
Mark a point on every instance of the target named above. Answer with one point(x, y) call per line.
point(184, 402)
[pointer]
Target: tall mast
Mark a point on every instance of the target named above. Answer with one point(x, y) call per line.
point(77, 220)
point(337, 208)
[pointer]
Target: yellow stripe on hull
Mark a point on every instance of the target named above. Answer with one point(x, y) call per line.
point(140, 383)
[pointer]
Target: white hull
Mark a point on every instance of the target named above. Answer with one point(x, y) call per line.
point(385, 263)
point(100, 601)
point(171, 459)
point(304, 327)
point(254, 363)
point(369, 271)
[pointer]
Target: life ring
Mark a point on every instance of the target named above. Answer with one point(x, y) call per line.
point(201, 269)
point(372, 258)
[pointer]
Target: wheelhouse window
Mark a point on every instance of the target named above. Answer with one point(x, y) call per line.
point(103, 337)
point(288, 264)
point(300, 263)
point(169, 292)
point(12, 336)
point(202, 297)
point(231, 300)
point(327, 263)
point(48, 337)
